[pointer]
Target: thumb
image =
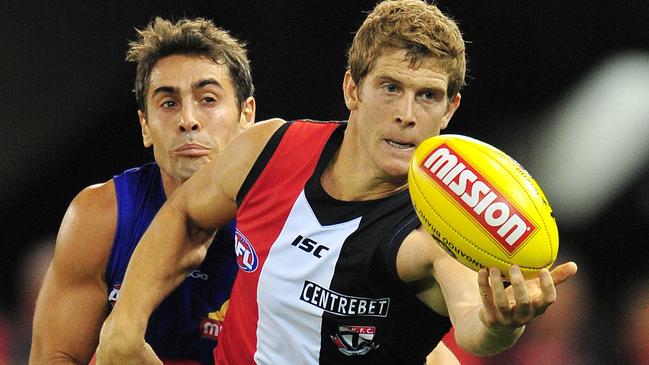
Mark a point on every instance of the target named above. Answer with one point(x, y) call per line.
point(563, 272)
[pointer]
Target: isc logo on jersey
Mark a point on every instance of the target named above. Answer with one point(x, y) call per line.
point(246, 255)
point(490, 208)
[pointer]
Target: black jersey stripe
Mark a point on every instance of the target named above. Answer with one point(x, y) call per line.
point(261, 162)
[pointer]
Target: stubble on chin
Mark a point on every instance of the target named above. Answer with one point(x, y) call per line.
point(185, 169)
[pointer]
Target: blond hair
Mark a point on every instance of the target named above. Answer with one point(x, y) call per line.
point(415, 26)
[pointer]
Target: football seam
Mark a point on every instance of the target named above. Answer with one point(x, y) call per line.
point(523, 174)
point(464, 238)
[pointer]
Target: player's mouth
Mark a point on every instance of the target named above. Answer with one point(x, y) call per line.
point(400, 145)
point(192, 150)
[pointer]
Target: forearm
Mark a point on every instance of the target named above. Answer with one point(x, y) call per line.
point(66, 324)
point(62, 347)
point(58, 358)
point(166, 253)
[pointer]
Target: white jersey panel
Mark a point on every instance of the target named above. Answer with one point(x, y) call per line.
point(301, 260)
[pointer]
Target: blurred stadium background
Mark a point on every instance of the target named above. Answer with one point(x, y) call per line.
point(562, 86)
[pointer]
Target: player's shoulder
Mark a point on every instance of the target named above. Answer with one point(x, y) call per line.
point(86, 233)
point(244, 148)
point(97, 198)
point(254, 139)
point(93, 212)
point(264, 129)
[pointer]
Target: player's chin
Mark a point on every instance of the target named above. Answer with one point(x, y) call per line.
point(396, 168)
point(186, 167)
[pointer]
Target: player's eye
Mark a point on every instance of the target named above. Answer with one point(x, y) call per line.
point(432, 95)
point(209, 100)
point(168, 104)
point(391, 88)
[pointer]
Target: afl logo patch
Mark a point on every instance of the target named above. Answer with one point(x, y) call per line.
point(246, 255)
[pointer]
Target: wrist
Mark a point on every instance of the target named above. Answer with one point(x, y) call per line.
point(123, 323)
point(494, 329)
point(505, 332)
point(494, 338)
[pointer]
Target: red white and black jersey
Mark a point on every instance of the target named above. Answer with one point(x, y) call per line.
point(317, 281)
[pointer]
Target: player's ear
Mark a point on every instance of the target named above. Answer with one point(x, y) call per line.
point(248, 109)
point(350, 91)
point(146, 133)
point(451, 107)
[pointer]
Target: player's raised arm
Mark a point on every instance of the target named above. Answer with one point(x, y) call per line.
point(177, 241)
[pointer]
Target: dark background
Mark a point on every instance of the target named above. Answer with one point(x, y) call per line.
point(69, 120)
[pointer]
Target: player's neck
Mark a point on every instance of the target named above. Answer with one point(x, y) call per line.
point(169, 183)
point(344, 180)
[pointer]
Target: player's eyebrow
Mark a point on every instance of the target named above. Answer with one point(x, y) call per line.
point(205, 82)
point(164, 89)
point(174, 90)
point(388, 78)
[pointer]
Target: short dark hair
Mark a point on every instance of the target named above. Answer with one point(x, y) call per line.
point(161, 38)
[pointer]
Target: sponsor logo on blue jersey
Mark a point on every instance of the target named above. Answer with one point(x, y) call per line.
point(114, 294)
point(197, 274)
point(246, 255)
point(210, 328)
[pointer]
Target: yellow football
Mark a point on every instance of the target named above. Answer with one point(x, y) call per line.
point(482, 206)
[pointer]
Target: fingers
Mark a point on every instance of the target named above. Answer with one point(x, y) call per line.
point(563, 272)
point(548, 291)
point(500, 297)
point(485, 290)
point(488, 313)
point(523, 311)
point(524, 299)
point(496, 311)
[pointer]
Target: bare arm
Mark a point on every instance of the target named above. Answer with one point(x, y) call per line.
point(487, 317)
point(72, 303)
point(176, 242)
point(441, 355)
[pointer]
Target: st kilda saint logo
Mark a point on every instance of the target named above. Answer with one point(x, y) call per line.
point(355, 340)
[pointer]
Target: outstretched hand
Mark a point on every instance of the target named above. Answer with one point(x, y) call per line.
point(521, 302)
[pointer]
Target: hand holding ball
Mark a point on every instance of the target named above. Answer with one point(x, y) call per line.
point(482, 206)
